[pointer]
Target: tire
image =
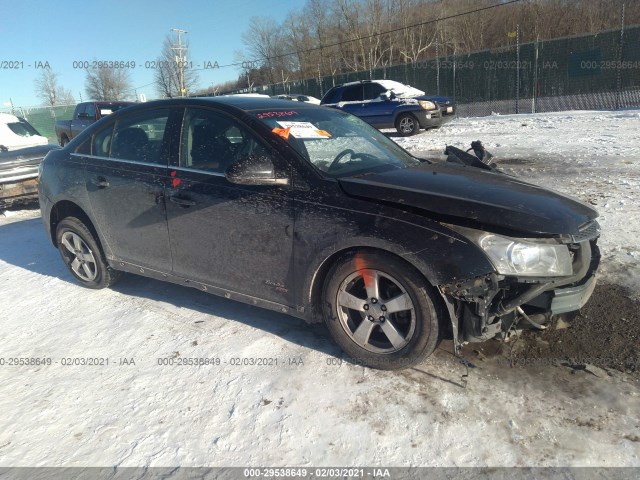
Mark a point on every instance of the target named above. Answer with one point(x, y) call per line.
point(83, 256)
point(407, 124)
point(64, 141)
point(364, 327)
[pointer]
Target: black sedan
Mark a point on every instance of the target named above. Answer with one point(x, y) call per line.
point(312, 212)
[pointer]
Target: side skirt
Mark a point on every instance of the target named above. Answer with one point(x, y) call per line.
point(298, 312)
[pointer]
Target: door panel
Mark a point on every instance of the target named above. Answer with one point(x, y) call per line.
point(127, 202)
point(125, 179)
point(237, 238)
point(231, 236)
point(377, 111)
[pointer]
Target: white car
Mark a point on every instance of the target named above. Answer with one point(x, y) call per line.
point(299, 97)
point(16, 132)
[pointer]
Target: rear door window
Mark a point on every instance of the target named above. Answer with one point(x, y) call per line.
point(140, 137)
point(352, 93)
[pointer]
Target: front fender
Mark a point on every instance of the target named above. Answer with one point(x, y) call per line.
point(438, 253)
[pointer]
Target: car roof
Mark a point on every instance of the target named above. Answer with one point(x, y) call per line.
point(239, 102)
point(7, 118)
point(358, 82)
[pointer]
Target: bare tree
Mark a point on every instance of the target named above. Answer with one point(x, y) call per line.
point(267, 44)
point(332, 37)
point(168, 71)
point(50, 92)
point(107, 84)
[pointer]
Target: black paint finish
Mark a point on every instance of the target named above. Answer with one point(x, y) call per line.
point(269, 244)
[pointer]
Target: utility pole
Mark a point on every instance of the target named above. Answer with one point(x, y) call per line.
point(181, 61)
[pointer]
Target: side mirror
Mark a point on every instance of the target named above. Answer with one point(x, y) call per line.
point(254, 170)
point(83, 115)
point(385, 96)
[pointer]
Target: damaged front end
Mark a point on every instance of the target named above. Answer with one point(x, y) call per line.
point(535, 278)
point(485, 307)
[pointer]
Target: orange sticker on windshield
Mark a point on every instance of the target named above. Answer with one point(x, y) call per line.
point(323, 133)
point(283, 132)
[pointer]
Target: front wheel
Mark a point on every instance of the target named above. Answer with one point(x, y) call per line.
point(380, 311)
point(82, 255)
point(406, 124)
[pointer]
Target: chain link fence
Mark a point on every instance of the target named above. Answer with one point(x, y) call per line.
point(588, 72)
point(592, 72)
point(43, 119)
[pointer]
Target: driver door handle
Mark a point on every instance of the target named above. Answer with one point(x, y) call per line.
point(182, 202)
point(100, 182)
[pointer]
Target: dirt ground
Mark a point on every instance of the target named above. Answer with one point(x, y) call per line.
point(602, 339)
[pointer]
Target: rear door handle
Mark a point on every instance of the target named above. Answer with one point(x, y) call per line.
point(183, 202)
point(100, 182)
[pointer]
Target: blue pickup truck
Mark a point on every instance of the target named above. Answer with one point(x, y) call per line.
point(390, 104)
point(84, 115)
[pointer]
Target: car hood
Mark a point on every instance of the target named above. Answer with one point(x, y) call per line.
point(480, 197)
point(435, 98)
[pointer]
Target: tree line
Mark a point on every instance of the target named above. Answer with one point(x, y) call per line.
point(328, 37)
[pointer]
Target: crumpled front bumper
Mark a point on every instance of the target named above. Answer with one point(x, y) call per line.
point(570, 299)
point(484, 307)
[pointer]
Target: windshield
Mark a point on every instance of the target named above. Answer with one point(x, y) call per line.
point(336, 143)
point(22, 128)
point(400, 89)
point(109, 108)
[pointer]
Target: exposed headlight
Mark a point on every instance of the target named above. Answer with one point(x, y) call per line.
point(427, 105)
point(522, 257)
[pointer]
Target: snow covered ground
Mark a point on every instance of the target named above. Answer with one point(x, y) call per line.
point(305, 407)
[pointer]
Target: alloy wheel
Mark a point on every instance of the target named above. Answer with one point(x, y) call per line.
point(80, 256)
point(376, 311)
point(406, 124)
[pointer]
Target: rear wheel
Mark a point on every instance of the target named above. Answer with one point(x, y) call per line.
point(82, 255)
point(380, 311)
point(64, 141)
point(407, 124)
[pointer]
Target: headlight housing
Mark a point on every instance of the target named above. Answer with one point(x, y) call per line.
point(522, 257)
point(427, 105)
